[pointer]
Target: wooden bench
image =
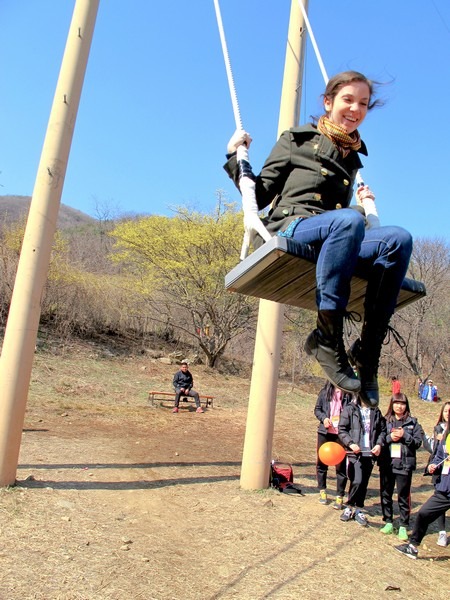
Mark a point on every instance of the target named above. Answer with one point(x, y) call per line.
point(154, 395)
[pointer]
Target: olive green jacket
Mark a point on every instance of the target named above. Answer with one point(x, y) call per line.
point(304, 175)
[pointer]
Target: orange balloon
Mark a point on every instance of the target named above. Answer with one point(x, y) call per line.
point(331, 453)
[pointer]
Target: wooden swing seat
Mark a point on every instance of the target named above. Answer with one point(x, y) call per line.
point(284, 271)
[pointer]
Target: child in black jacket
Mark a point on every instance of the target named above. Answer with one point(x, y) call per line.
point(397, 463)
point(431, 445)
point(438, 504)
point(362, 430)
point(329, 405)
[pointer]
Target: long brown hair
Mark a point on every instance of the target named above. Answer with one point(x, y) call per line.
point(338, 81)
point(441, 414)
point(390, 415)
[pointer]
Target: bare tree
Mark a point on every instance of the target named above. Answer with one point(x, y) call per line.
point(298, 323)
point(425, 324)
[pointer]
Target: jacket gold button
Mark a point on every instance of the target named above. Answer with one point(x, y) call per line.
point(317, 196)
point(316, 146)
point(324, 171)
point(285, 212)
point(346, 182)
point(338, 205)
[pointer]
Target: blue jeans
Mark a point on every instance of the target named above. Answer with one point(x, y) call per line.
point(343, 244)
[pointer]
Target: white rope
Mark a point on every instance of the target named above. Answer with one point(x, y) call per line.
point(313, 41)
point(234, 100)
point(252, 222)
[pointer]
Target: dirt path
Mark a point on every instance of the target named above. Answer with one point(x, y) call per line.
point(146, 504)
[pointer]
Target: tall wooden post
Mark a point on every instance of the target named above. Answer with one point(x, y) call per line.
point(257, 452)
point(21, 330)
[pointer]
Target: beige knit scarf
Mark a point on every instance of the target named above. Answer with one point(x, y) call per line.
point(337, 134)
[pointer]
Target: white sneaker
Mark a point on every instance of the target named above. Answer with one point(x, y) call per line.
point(442, 539)
point(347, 515)
point(408, 550)
point(361, 518)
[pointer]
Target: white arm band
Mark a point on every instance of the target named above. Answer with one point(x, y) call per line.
point(252, 222)
point(371, 213)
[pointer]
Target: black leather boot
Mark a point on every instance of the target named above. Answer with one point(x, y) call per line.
point(365, 354)
point(326, 344)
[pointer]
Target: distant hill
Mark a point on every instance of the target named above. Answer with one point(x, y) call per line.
point(12, 208)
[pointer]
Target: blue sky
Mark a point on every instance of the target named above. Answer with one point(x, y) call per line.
point(155, 112)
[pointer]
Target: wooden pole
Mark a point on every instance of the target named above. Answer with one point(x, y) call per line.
point(257, 452)
point(21, 330)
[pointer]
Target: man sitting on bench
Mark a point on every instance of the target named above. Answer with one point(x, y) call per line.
point(183, 382)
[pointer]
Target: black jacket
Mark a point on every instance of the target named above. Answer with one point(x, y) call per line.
point(351, 426)
point(304, 175)
point(183, 380)
point(443, 481)
point(432, 449)
point(410, 443)
point(322, 408)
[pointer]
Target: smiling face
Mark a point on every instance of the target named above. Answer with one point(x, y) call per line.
point(349, 106)
point(399, 409)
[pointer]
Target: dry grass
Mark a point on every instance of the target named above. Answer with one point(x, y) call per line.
point(118, 500)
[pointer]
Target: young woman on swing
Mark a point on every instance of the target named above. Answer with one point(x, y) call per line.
point(309, 177)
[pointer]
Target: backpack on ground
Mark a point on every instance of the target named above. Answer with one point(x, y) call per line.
point(282, 478)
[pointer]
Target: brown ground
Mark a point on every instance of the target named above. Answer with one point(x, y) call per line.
point(118, 500)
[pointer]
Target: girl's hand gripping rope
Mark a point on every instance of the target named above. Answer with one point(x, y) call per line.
point(366, 198)
point(239, 138)
point(239, 143)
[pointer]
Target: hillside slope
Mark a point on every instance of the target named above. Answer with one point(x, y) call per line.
point(13, 208)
